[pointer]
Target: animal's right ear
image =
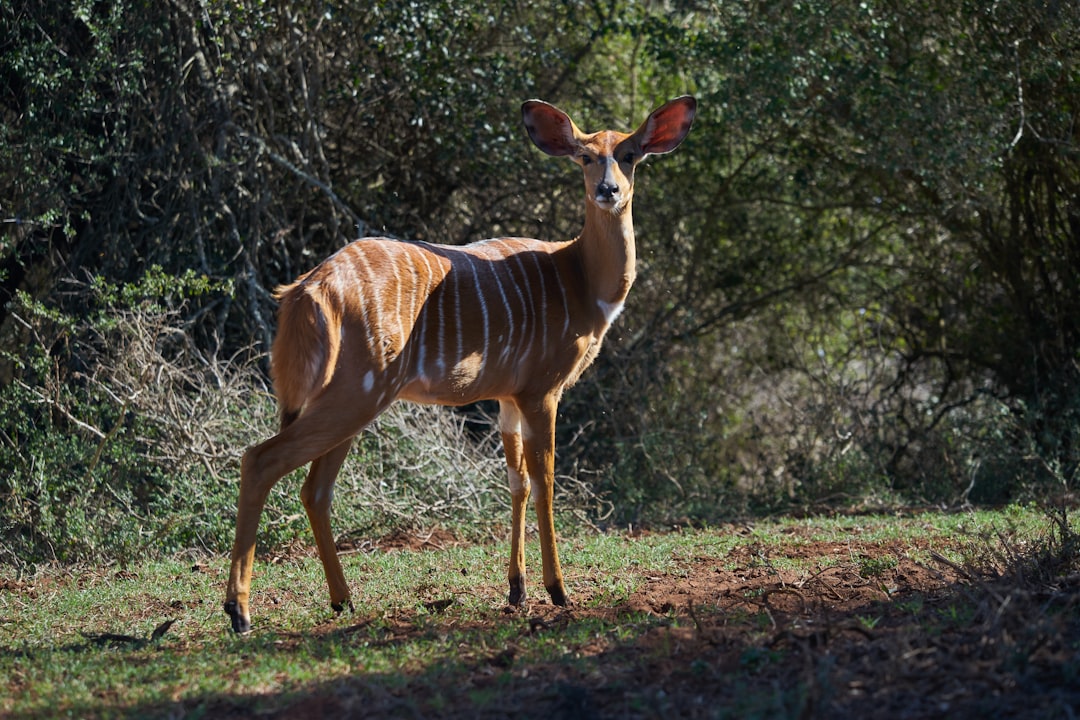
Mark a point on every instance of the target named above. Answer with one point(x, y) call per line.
point(667, 126)
point(550, 128)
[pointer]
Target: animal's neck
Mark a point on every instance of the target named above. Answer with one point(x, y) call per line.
point(607, 246)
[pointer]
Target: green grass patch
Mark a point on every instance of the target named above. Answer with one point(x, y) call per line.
point(431, 635)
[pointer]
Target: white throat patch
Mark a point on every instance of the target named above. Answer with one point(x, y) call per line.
point(610, 310)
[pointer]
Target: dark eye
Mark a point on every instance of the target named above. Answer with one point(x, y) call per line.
point(628, 157)
point(585, 159)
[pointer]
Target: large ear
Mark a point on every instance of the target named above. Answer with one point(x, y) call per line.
point(666, 127)
point(550, 128)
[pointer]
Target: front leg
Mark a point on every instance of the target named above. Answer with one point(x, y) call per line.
point(538, 433)
point(510, 429)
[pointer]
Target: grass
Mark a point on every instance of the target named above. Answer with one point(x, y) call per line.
point(661, 622)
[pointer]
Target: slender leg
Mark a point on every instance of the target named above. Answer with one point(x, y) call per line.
point(317, 494)
point(538, 432)
point(254, 490)
point(328, 422)
point(510, 428)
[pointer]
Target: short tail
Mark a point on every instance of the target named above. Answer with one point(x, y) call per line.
point(302, 348)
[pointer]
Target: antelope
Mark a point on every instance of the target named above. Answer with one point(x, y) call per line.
point(515, 320)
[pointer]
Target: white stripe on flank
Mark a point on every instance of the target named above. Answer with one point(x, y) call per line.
point(455, 271)
point(565, 302)
point(397, 299)
point(421, 340)
point(543, 299)
point(496, 267)
point(483, 310)
point(416, 282)
point(369, 300)
point(530, 311)
point(406, 319)
point(510, 256)
point(440, 330)
point(343, 280)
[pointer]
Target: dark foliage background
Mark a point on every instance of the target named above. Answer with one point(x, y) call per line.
point(858, 281)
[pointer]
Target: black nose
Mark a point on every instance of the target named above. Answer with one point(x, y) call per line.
point(605, 191)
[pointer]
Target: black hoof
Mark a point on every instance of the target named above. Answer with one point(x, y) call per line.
point(517, 592)
point(558, 595)
point(240, 624)
point(339, 608)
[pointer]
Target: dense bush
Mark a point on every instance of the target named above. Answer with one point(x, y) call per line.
point(125, 441)
point(863, 279)
point(119, 433)
point(858, 278)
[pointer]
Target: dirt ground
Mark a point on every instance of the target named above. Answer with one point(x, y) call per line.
point(871, 634)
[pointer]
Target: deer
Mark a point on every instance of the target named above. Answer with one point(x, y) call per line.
point(515, 320)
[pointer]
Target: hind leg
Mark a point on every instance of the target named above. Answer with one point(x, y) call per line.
point(254, 489)
point(317, 494)
point(329, 421)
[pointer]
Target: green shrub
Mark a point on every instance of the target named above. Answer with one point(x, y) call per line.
point(124, 441)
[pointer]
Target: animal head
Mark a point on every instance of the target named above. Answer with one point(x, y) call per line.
point(608, 158)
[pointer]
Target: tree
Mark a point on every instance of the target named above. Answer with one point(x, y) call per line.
point(858, 275)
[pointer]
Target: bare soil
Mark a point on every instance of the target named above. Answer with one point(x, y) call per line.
point(864, 631)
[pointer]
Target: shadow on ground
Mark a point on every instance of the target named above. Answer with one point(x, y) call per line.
point(863, 631)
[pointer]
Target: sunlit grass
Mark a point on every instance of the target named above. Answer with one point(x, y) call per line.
point(420, 616)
